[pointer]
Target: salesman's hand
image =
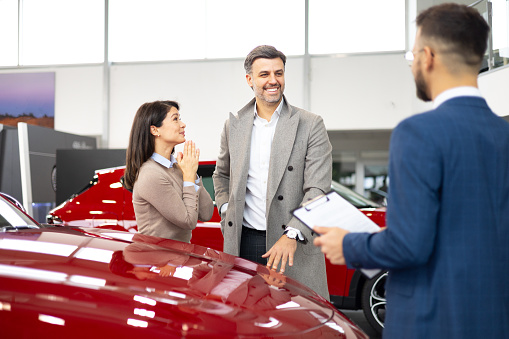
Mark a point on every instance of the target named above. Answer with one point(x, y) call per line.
point(331, 241)
point(283, 250)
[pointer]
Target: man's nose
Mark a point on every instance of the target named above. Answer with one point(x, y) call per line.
point(272, 79)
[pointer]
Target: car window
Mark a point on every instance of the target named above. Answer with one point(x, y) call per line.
point(11, 216)
point(353, 197)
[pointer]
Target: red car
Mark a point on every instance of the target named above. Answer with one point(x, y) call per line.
point(104, 203)
point(71, 282)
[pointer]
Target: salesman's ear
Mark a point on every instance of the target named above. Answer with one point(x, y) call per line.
point(429, 58)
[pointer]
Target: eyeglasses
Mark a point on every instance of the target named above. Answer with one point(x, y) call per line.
point(410, 55)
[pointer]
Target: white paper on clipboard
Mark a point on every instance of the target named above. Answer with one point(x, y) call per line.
point(332, 210)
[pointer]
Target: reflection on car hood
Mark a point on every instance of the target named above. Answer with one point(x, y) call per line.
point(148, 286)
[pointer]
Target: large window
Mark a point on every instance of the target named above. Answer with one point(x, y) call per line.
point(341, 26)
point(198, 29)
point(499, 52)
point(9, 32)
point(156, 30)
point(62, 32)
point(235, 27)
point(500, 27)
point(73, 31)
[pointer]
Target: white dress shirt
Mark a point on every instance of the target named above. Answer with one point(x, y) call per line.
point(462, 91)
point(258, 173)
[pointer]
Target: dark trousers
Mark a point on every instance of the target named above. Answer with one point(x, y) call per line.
point(252, 245)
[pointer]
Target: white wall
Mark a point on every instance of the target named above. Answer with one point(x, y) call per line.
point(494, 86)
point(78, 97)
point(351, 93)
point(79, 100)
point(206, 90)
point(362, 92)
point(355, 92)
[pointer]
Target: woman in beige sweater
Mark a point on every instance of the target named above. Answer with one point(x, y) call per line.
point(168, 196)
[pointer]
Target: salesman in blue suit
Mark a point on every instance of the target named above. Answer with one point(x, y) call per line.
point(446, 245)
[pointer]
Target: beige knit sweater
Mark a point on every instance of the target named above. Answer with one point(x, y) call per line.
point(164, 207)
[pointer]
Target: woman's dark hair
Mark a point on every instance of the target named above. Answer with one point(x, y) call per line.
point(141, 141)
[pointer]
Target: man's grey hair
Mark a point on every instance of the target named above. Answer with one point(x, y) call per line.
point(265, 52)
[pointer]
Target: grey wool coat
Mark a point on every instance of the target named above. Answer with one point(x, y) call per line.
point(300, 169)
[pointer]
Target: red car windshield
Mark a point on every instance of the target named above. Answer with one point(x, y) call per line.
point(12, 218)
point(352, 197)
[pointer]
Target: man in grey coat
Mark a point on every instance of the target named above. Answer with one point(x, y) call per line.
point(273, 158)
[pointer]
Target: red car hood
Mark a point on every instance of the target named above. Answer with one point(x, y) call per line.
point(60, 282)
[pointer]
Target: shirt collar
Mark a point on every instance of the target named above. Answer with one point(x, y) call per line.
point(456, 92)
point(163, 161)
point(278, 109)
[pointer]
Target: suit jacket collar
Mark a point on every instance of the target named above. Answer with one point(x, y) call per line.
point(282, 145)
point(241, 127)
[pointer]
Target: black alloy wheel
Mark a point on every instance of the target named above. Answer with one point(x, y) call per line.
point(373, 301)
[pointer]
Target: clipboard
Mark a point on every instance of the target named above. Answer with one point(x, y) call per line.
point(332, 210)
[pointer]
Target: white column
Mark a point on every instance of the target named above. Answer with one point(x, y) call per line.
point(24, 164)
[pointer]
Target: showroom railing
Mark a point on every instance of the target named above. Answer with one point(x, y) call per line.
point(496, 13)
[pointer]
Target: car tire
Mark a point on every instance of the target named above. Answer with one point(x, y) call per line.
point(373, 301)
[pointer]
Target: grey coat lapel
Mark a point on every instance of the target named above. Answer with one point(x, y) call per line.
point(241, 127)
point(282, 145)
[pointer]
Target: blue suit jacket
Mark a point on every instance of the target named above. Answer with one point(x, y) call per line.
point(447, 242)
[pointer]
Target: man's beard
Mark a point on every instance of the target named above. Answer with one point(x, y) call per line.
point(260, 93)
point(421, 87)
